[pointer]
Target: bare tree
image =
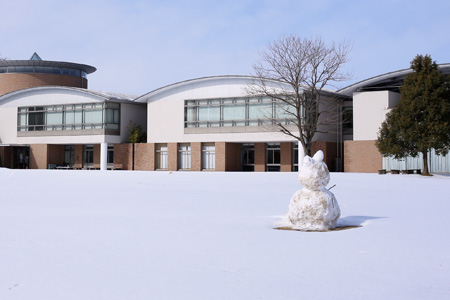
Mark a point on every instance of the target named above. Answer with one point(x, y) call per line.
point(304, 68)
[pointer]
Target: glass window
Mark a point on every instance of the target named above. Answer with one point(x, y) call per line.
point(93, 116)
point(69, 155)
point(260, 111)
point(208, 156)
point(110, 155)
point(273, 156)
point(161, 156)
point(248, 157)
point(184, 156)
point(233, 112)
point(68, 117)
point(209, 113)
point(88, 155)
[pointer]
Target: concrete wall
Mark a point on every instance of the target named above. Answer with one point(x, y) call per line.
point(369, 111)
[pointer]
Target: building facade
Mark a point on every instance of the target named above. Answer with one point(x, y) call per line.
point(49, 119)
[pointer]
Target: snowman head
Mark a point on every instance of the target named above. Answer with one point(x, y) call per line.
point(314, 173)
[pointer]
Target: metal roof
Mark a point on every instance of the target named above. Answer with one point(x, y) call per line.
point(104, 95)
point(46, 63)
point(391, 81)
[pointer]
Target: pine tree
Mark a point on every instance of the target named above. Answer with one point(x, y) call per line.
point(421, 120)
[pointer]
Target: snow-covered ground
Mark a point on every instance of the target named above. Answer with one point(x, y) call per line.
point(154, 235)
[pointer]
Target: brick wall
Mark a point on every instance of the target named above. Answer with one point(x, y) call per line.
point(144, 156)
point(97, 156)
point(78, 153)
point(38, 156)
point(286, 157)
point(123, 156)
point(6, 159)
point(10, 82)
point(196, 156)
point(172, 153)
point(361, 156)
point(260, 157)
point(220, 156)
point(56, 154)
point(232, 157)
point(329, 150)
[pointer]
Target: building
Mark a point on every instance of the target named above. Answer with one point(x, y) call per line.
point(49, 119)
point(373, 98)
point(213, 124)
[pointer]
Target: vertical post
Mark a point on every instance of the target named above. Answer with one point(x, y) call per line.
point(103, 156)
point(301, 155)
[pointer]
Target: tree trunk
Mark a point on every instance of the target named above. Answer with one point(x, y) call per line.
point(425, 163)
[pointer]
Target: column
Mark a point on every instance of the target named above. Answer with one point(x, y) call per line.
point(103, 156)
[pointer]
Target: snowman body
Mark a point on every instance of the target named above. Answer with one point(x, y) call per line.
point(313, 207)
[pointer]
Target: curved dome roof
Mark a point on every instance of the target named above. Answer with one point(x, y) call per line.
point(46, 63)
point(390, 81)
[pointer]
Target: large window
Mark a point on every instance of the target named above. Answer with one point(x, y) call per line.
point(208, 156)
point(43, 70)
point(69, 155)
point(184, 156)
point(110, 156)
point(88, 156)
point(248, 157)
point(69, 117)
point(255, 111)
point(273, 155)
point(161, 156)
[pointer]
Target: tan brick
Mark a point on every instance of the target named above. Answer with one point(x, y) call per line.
point(361, 156)
point(260, 157)
point(38, 156)
point(123, 156)
point(196, 156)
point(144, 156)
point(10, 82)
point(172, 149)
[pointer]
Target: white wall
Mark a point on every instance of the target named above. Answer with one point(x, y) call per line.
point(165, 113)
point(55, 96)
point(369, 111)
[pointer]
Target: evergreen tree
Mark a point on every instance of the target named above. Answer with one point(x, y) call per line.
point(421, 120)
point(136, 133)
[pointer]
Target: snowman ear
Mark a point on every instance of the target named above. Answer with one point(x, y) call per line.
point(318, 157)
point(307, 161)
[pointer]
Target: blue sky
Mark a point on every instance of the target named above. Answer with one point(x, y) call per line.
point(138, 46)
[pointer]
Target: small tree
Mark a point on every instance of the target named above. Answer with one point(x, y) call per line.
point(303, 67)
point(421, 120)
point(136, 134)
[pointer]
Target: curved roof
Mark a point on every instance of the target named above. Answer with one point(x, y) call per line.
point(46, 63)
point(219, 80)
point(195, 81)
point(390, 81)
point(103, 95)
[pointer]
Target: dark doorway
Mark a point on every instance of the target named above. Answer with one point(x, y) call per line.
point(21, 157)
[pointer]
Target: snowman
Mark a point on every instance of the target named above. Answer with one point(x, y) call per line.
point(313, 208)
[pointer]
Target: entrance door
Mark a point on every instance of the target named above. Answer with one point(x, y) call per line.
point(21, 157)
